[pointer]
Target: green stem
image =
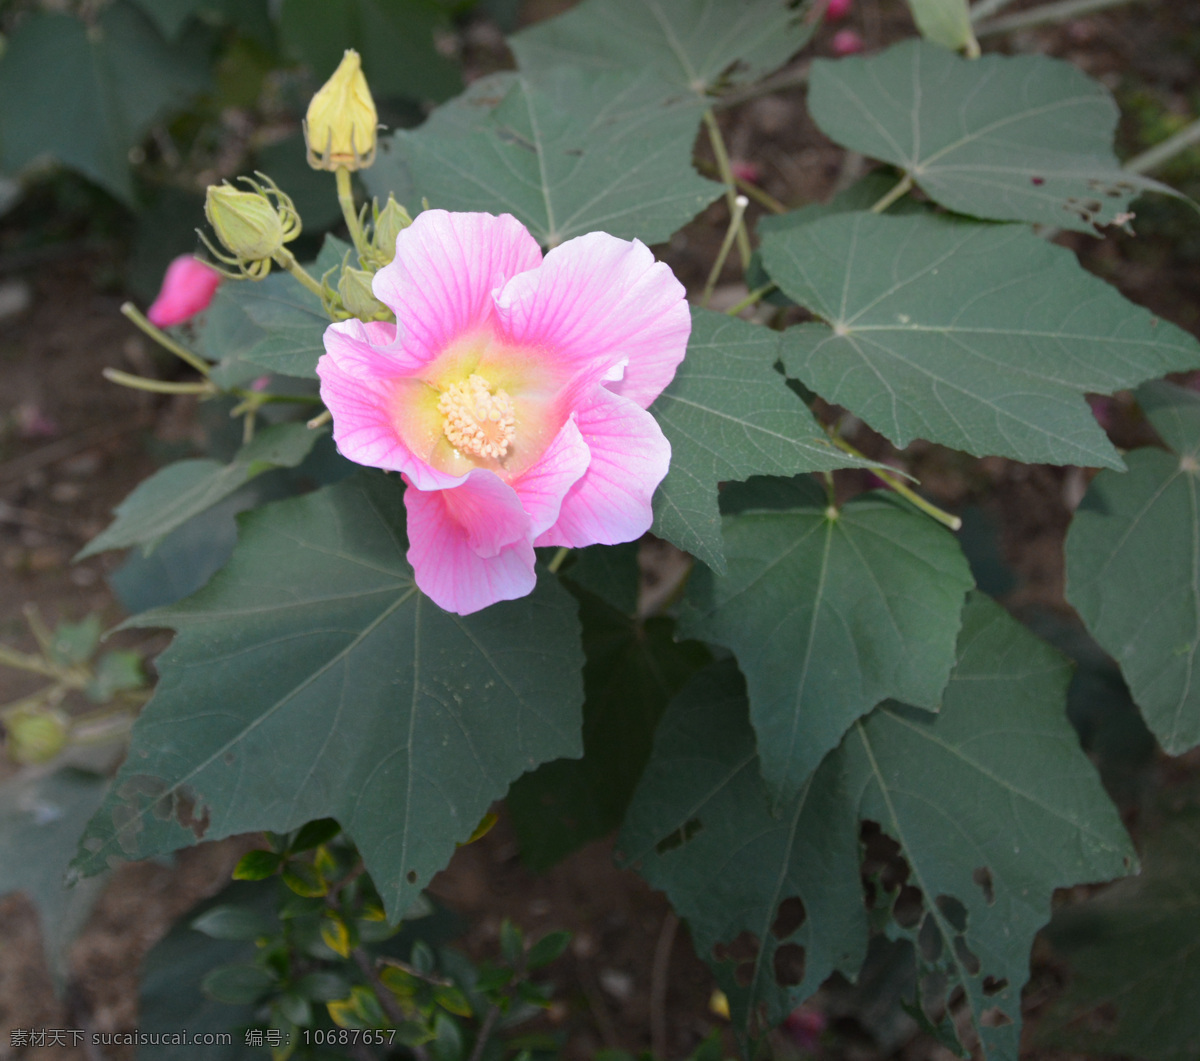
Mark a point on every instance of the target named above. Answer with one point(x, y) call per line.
point(557, 560)
point(725, 169)
point(735, 226)
point(761, 197)
point(1155, 156)
point(157, 386)
point(930, 509)
point(751, 299)
point(320, 420)
point(345, 192)
point(24, 661)
point(287, 260)
point(165, 341)
point(1062, 11)
point(982, 8)
point(901, 188)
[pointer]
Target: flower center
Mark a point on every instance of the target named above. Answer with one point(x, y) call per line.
point(478, 420)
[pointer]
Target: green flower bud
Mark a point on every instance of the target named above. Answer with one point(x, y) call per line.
point(36, 736)
point(389, 223)
point(253, 225)
point(339, 128)
point(354, 290)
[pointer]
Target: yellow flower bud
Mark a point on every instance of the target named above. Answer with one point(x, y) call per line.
point(36, 736)
point(354, 289)
point(389, 223)
point(253, 225)
point(340, 126)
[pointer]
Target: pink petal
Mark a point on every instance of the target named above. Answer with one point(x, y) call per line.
point(847, 42)
point(545, 483)
point(446, 267)
point(630, 456)
point(471, 546)
point(837, 9)
point(363, 385)
point(597, 301)
point(188, 287)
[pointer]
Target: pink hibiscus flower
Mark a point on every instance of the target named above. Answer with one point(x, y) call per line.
point(187, 288)
point(511, 396)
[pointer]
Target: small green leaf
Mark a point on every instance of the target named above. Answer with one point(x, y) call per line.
point(313, 834)
point(729, 415)
point(512, 942)
point(980, 337)
point(570, 153)
point(176, 493)
point(323, 986)
point(118, 671)
point(691, 46)
point(829, 615)
point(447, 1042)
point(231, 922)
point(945, 22)
point(305, 880)
point(257, 865)
point(74, 643)
point(453, 1000)
point(337, 934)
point(295, 1008)
point(1012, 138)
point(547, 949)
point(237, 984)
point(1134, 540)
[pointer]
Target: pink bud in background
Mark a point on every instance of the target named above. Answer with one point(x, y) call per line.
point(804, 1026)
point(847, 42)
point(837, 9)
point(188, 287)
point(745, 171)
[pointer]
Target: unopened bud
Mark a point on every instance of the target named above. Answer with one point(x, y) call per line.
point(354, 290)
point(36, 736)
point(339, 128)
point(389, 223)
point(253, 225)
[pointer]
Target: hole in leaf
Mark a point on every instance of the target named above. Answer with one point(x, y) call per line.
point(983, 877)
point(788, 918)
point(953, 911)
point(967, 958)
point(680, 836)
point(908, 906)
point(992, 986)
point(994, 1018)
point(789, 965)
point(929, 940)
point(412, 876)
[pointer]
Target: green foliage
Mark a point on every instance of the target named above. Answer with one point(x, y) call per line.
point(829, 614)
point(1014, 138)
point(633, 668)
point(172, 496)
point(566, 154)
point(695, 46)
point(1134, 540)
point(991, 801)
point(729, 414)
point(979, 337)
point(404, 746)
point(945, 22)
point(1133, 950)
point(89, 93)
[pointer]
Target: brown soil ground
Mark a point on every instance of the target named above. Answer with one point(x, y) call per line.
point(56, 493)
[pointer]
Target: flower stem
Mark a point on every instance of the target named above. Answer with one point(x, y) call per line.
point(1046, 13)
point(751, 299)
point(725, 169)
point(1155, 156)
point(287, 260)
point(320, 420)
point(928, 507)
point(165, 341)
point(157, 386)
point(345, 194)
point(558, 559)
point(735, 226)
point(982, 8)
point(901, 188)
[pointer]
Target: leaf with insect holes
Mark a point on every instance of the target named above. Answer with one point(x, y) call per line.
point(311, 679)
point(1133, 567)
point(729, 414)
point(980, 337)
point(1011, 138)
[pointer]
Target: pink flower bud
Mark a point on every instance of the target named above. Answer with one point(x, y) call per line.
point(745, 171)
point(847, 42)
point(188, 287)
point(805, 1026)
point(837, 9)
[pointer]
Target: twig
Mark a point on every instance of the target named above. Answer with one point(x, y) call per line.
point(735, 226)
point(1047, 13)
point(386, 999)
point(658, 984)
point(726, 170)
point(485, 1032)
point(1155, 156)
point(983, 8)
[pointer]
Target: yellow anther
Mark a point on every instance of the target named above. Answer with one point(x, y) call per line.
point(478, 421)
